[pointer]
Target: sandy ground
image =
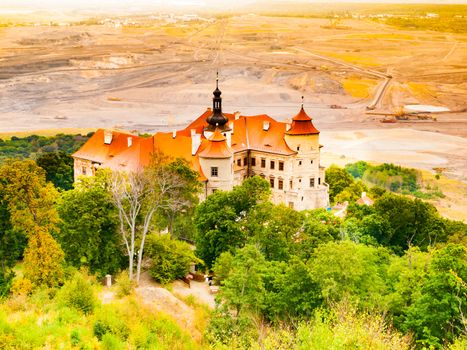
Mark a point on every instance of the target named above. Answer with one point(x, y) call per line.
point(160, 77)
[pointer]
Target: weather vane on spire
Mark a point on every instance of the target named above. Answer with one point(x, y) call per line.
point(217, 79)
point(303, 99)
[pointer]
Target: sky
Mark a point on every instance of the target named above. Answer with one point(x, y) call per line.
point(178, 3)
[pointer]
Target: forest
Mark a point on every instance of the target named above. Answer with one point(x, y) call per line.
point(386, 276)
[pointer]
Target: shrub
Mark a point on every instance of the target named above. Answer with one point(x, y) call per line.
point(124, 284)
point(109, 322)
point(22, 286)
point(111, 342)
point(78, 294)
point(170, 258)
point(6, 281)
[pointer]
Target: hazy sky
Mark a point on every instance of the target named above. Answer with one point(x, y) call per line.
point(180, 3)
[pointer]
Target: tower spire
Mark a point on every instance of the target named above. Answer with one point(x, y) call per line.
point(303, 99)
point(217, 119)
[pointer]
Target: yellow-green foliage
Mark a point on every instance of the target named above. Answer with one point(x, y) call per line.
point(342, 328)
point(124, 284)
point(44, 322)
point(22, 286)
point(43, 259)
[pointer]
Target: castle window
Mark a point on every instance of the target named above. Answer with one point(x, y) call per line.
point(291, 205)
point(280, 184)
point(298, 148)
point(299, 162)
point(312, 182)
point(273, 164)
point(311, 161)
point(214, 171)
point(271, 182)
point(319, 181)
point(253, 161)
point(245, 161)
point(263, 163)
point(83, 170)
point(281, 166)
point(239, 162)
point(291, 184)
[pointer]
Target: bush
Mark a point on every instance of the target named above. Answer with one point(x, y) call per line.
point(110, 323)
point(171, 258)
point(78, 294)
point(6, 281)
point(111, 342)
point(22, 286)
point(124, 284)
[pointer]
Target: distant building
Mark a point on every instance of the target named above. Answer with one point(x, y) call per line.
point(225, 149)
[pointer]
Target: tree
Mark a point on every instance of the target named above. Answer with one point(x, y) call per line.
point(31, 200)
point(139, 196)
point(357, 169)
point(31, 206)
point(243, 289)
point(89, 226)
point(411, 222)
point(219, 218)
point(218, 228)
point(43, 259)
point(349, 270)
point(338, 179)
point(272, 228)
point(11, 247)
point(59, 169)
point(170, 258)
point(291, 293)
point(187, 195)
point(319, 227)
point(351, 193)
point(437, 316)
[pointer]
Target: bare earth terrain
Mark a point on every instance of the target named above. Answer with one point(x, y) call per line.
point(155, 75)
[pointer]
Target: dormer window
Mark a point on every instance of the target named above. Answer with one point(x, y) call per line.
point(214, 171)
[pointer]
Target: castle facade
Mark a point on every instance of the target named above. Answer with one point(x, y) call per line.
point(225, 149)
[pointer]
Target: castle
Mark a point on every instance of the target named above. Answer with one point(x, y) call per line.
point(225, 149)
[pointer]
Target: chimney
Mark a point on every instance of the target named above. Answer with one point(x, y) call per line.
point(195, 141)
point(287, 127)
point(130, 141)
point(266, 126)
point(237, 115)
point(363, 194)
point(107, 137)
point(174, 134)
point(231, 126)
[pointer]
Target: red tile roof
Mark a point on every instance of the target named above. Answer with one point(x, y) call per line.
point(259, 132)
point(97, 151)
point(216, 147)
point(302, 125)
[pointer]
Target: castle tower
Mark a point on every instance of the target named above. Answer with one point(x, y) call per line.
point(216, 161)
point(308, 176)
point(216, 120)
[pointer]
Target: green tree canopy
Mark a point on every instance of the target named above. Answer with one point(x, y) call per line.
point(219, 218)
point(58, 167)
point(89, 226)
point(338, 179)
